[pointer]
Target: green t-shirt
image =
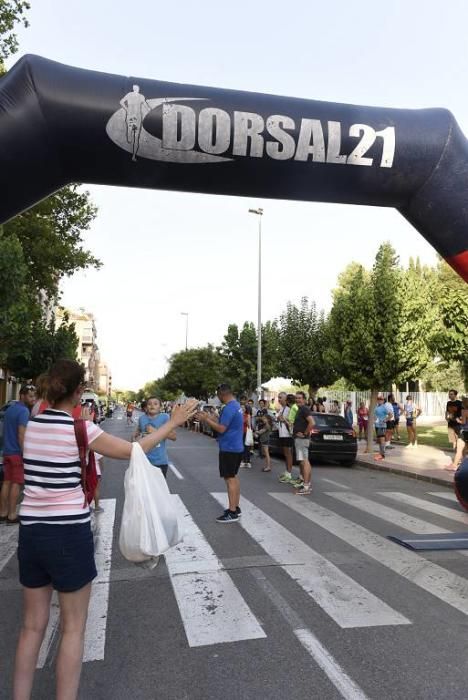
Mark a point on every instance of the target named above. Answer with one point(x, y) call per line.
point(292, 414)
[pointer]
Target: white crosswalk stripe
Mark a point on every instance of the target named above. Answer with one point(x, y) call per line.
point(346, 601)
point(335, 483)
point(446, 495)
point(390, 515)
point(448, 587)
point(428, 506)
point(8, 544)
point(393, 516)
point(95, 636)
point(211, 607)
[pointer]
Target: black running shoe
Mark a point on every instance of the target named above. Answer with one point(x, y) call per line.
point(238, 511)
point(228, 517)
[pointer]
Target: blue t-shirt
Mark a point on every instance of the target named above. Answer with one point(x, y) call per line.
point(380, 416)
point(396, 410)
point(158, 454)
point(232, 440)
point(17, 414)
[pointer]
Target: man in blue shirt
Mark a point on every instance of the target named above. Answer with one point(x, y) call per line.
point(150, 421)
point(14, 426)
point(382, 414)
point(229, 430)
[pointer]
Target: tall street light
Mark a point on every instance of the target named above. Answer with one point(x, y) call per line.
point(185, 313)
point(259, 213)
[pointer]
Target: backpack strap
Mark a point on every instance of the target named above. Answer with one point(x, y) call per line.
point(81, 435)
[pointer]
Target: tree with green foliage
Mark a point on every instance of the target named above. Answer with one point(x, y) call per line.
point(12, 12)
point(43, 345)
point(449, 339)
point(50, 234)
point(156, 387)
point(195, 372)
point(239, 351)
point(37, 249)
point(303, 343)
point(380, 325)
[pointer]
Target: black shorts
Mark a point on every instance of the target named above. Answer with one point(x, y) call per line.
point(229, 463)
point(61, 555)
point(380, 432)
point(390, 424)
point(286, 442)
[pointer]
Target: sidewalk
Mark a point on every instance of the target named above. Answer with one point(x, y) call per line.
point(422, 462)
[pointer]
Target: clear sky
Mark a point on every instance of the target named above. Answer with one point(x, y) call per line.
point(167, 253)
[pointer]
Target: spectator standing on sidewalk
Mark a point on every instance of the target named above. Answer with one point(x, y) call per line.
point(285, 436)
point(229, 431)
point(247, 426)
point(348, 413)
point(14, 427)
point(397, 409)
point(452, 414)
point(462, 439)
point(390, 422)
point(363, 420)
point(411, 414)
point(303, 424)
point(381, 415)
point(263, 432)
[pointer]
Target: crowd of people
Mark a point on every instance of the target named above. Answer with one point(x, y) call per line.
point(42, 459)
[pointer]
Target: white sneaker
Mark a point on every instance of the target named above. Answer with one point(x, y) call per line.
point(247, 465)
point(242, 465)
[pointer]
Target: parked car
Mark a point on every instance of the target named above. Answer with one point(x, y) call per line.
point(331, 440)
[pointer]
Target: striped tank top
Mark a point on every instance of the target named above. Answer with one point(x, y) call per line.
point(52, 471)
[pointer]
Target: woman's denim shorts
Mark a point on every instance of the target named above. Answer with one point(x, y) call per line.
point(61, 555)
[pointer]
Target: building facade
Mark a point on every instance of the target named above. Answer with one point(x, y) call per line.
point(88, 351)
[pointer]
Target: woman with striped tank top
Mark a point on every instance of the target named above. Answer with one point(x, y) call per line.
point(55, 548)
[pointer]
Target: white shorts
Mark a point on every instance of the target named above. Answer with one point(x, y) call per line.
point(302, 448)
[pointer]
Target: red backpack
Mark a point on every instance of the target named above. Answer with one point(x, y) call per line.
point(89, 477)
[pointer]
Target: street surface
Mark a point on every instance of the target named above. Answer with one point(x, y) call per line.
point(304, 598)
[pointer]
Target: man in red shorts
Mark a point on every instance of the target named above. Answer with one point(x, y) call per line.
point(14, 427)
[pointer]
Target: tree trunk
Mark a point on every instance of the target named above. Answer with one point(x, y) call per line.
point(370, 422)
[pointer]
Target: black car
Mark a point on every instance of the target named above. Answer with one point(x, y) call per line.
point(331, 439)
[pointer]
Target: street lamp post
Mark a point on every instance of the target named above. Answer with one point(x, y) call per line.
point(259, 213)
point(185, 313)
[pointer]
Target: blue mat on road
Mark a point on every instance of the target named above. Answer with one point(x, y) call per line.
point(450, 540)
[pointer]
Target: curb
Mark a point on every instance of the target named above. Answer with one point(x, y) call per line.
point(403, 472)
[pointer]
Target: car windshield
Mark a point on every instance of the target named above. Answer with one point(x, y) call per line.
point(329, 421)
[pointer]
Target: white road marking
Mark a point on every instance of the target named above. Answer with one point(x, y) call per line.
point(448, 587)
point(8, 544)
point(95, 635)
point(446, 495)
point(175, 471)
point(340, 679)
point(335, 483)
point(390, 515)
point(393, 516)
point(211, 607)
point(435, 508)
point(347, 602)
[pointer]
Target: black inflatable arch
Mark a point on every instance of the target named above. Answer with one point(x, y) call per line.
point(60, 124)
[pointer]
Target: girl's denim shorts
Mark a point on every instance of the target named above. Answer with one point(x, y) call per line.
point(61, 555)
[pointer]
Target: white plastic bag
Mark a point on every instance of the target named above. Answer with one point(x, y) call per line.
point(249, 438)
point(149, 521)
